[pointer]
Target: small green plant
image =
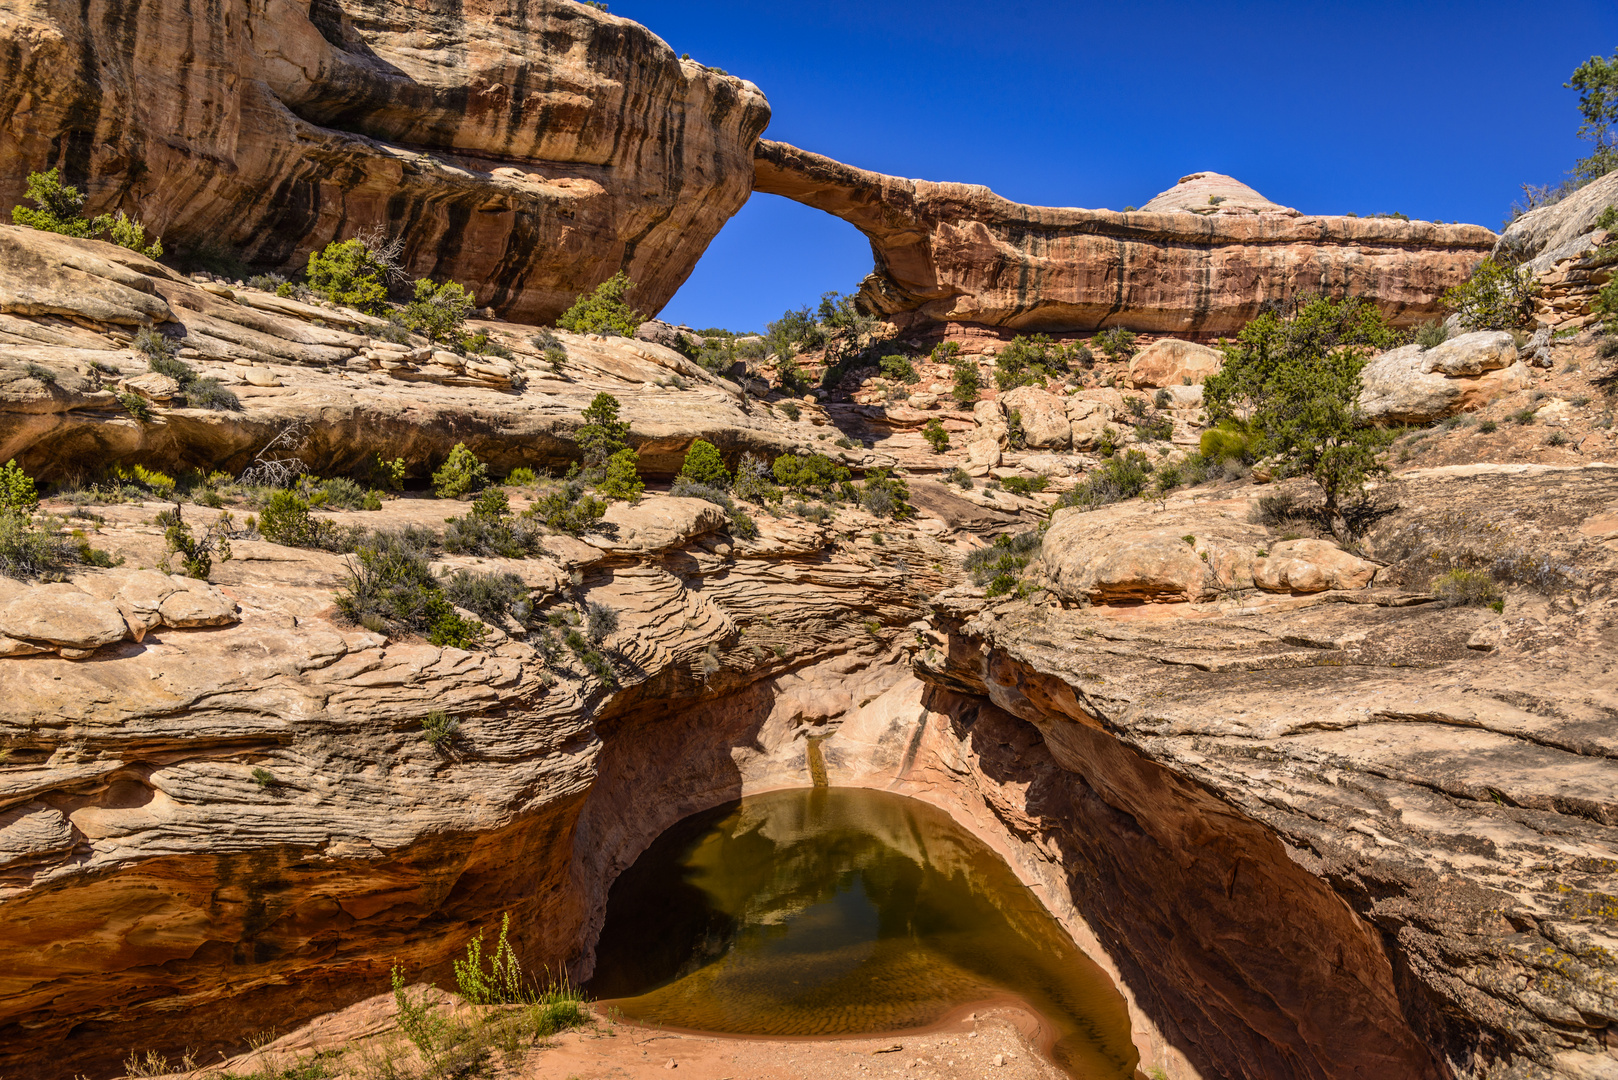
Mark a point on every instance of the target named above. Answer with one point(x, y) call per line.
point(604, 310)
point(622, 480)
point(899, 368)
point(1556, 438)
point(439, 311)
point(60, 209)
point(968, 380)
point(264, 778)
point(1117, 343)
point(933, 431)
point(960, 478)
point(461, 474)
point(285, 519)
point(569, 510)
point(1432, 334)
point(521, 476)
point(1465, 588)
point(135, 406)
point(1488, 427)
point(1524, 417)
point(196, 553)
point(439, 729)
point(1024, 485)
point(348, 272)
point(18, 494)
point(703, 465)
point(600, 622)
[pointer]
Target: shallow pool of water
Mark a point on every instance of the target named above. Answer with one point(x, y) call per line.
point(843, 911)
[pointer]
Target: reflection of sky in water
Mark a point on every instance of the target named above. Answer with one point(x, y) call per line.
point(841, 911)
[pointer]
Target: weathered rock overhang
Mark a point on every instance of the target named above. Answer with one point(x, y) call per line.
point(959, 253)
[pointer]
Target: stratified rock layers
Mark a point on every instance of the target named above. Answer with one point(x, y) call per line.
point(960, 253)
point(529, 151)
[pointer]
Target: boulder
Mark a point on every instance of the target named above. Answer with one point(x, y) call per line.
point(196, 603)
point(991, 421)
point(1564, 229)
point(1084, 564)
point(1398, 390)
point(64, 616)
point(660, 522)
point(153, 387)
point(1471, 354)
point(1052, 465)
point(1174, 363)
point(1043, 416)
point(1310, 566)
point(1087, 419)
point(982, 455)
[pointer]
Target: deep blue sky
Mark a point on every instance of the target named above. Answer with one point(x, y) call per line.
point(1438, 110)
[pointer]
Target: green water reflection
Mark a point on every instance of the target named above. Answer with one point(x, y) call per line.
point(840, 911)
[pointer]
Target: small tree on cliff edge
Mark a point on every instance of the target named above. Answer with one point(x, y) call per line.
point(1294, 381)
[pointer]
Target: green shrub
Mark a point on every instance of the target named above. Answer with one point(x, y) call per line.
point(438, 729)
point(1023, 485)
point(210, 394)
point(602, 435)
point(491, 596)
point(999, 564)
point(1498, 296)
point(1608, 219)
point(1465, 588)
point(1488, 427)
point(960, 478)
point(18, 494)
point(808, 472)
point(792, 410)
point(1117, 343)
point(600, 622)
point(968, 380)
point(347, 272)
point(569, 510)
point(899, 368)
point(135, 405)
point(604, 310)
point(391, 588)
point(622, 480)
point(933, 431)
point(264, 778)
point(493, 536)
point(521, 476)
point(460, 474)
point(60, 209)
point(752, 481)
point(703, 465)
point(148, 480)
point(285, 519)
point(1431, 334)
point(27, 551)
point(1122, 476)
point(196, 553)
point(439, 311)
point(1029, 361)
point(885, 495)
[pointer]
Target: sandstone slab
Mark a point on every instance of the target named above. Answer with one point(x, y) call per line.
point(1397, 389)
point(1174, 363)
point(1043, 416)
point(62, 615)
point(1310, 566)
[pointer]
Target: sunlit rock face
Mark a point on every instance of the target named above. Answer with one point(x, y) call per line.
point(1200, 260)
point(529, 151)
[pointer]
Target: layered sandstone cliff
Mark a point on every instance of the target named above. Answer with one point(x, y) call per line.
point(950, 252)
point(528, 152)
